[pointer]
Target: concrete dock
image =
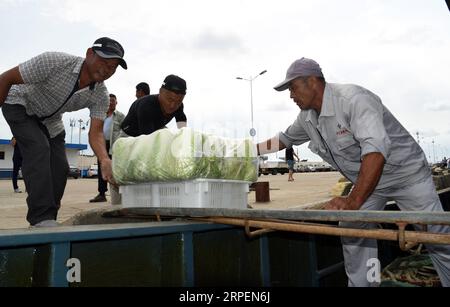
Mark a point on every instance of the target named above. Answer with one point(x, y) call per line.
point(308, 188)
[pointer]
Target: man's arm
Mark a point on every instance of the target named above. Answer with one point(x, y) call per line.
point(272, 145)
point(7, 79)
point(369, 175)
point(97, 142)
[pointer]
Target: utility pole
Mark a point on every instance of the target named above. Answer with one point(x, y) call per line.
point(72, 124)
point(251, 79)
point(79, 130)
point(434, 155)
point(82, 126)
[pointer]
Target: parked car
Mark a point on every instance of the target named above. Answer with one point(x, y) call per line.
point(74, 172)
point(93, 171)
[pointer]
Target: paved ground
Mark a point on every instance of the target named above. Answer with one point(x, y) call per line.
point(307, 188)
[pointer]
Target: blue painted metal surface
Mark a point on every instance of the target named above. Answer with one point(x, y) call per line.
point(188, 258)
point(60, 253)
point(172, 253)
point(265, 261)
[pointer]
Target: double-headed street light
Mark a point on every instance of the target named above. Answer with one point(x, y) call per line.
point(252, 130)
point(83, 125)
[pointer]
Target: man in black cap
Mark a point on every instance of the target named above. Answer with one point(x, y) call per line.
point(142, 89)
point(154, 112)
point(34, 95)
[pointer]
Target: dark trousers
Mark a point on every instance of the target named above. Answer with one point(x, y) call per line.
point(102, 184)
point(17, 164)
point(44, 166)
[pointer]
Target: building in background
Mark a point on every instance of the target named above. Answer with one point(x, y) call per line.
point(6, 153)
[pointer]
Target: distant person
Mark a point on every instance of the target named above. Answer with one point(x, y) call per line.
point(17, 164)
point(153, 112)
point(142, 89)
point(111, 132)
point(350, 128)
point(35, 95)
point(289, 155)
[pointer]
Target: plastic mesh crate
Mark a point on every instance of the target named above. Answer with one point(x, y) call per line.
point(199, 193)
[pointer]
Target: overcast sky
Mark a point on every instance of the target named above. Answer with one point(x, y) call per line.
point(399, 49)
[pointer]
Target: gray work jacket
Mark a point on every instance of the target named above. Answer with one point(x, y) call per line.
point(353, 122)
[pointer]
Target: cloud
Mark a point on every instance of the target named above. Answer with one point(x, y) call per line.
point(281, 106)
point(396, 49)
point(218, 42)
point(438, 106)
point(416, 36)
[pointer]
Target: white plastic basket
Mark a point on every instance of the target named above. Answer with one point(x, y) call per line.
point(199, 193)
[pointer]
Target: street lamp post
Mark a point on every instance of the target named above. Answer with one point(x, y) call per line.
point(434, 155)
point(252, 130)
point(83, 126)
point(72, 124)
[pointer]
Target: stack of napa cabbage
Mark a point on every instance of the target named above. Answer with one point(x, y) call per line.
point(184, 155)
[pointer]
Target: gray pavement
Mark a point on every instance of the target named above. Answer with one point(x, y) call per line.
point(308, 188)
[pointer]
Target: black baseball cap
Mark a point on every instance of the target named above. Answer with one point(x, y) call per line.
point(175, 84)
point(108, 48)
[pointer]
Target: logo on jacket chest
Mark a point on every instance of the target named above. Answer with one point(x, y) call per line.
point(342, 130)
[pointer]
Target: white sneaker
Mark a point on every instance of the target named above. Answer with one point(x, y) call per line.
point(46, 223)
point(17, 191)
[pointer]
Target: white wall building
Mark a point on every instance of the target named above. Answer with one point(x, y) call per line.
point(6, 153)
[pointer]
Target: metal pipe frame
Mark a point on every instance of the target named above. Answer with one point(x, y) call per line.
point(406, 239)
point(392, 217)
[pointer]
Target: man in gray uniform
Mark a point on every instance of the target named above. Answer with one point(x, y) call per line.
point(33, 97)
point(351, 129)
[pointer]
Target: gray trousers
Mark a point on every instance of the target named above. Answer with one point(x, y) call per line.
point(44, 166)
point(421, 196)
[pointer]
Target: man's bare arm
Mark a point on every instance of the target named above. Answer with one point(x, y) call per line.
point(8, 79)
point(97, 142)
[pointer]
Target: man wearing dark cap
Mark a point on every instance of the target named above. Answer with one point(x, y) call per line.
point(34, 95)
point(154, 112)
point(142, 89)
point(350, 128)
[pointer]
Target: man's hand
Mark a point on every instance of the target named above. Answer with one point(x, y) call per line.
point(107, 175)
point(342, 203)
point(369, 175)
point(97, 141)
